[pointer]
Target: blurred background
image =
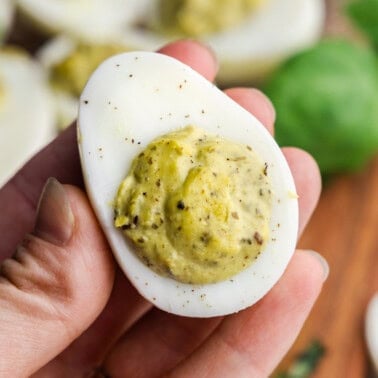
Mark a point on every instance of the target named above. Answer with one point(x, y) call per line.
point(318, 62)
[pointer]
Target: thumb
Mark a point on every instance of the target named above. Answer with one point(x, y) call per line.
point(55, 285)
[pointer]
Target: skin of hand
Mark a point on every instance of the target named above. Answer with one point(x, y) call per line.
point(67, 311)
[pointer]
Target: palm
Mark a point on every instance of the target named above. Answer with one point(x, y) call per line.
point(129, 329)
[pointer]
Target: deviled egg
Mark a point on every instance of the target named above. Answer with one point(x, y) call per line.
point(250, 37)
point(87, 20)
point(26, 115)
point(194, 195)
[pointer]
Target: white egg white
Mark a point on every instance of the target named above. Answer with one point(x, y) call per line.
point(88, 20)
point(6, 16)
point(26, 115)
point(371, 330)
point(249, 51)
point(131, 99)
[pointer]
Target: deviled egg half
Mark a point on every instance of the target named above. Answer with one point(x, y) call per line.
point(69, 63)
point(26, 115)
point(6, 16)
point(86, 20)
point(250, 37)
point(194, 195)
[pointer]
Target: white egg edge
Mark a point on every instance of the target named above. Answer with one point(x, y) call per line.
point(29, 125)
point(371, 330)
point(95, 21)
point(247, 287)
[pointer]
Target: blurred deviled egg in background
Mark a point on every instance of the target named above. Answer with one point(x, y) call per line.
point(26, 116)
point(249, 37)
point(68, 64)
point(88, 20)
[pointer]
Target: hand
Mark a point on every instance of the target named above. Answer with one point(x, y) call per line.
point(66, 309)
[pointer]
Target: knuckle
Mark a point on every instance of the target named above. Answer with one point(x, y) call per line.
point(36, 279)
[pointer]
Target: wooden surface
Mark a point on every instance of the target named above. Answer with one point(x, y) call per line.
point(344, 229)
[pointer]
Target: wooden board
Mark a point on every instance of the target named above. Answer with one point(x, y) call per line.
point(344, 229)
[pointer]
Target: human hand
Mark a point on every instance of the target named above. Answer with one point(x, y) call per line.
point(66, 310)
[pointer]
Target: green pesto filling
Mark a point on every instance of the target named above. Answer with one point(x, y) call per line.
point(196, 206)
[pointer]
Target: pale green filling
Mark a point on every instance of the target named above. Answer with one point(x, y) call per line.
point(196, 206)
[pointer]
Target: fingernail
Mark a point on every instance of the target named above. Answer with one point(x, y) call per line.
point(323, 262)
point(55, 220)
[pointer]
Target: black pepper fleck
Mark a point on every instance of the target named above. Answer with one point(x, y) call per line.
point(265, 171)
point(180, 205)
point(258, 238)
point(235, 215)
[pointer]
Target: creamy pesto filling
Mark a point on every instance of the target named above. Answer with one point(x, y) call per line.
point(73, 72)
point(198, 17)
point(196, 206)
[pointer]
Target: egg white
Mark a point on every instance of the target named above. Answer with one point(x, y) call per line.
point(250, 50)
point(131, 99)
point(371, 329)
point(26, 114)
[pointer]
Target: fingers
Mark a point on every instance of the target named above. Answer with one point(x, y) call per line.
point(174, 338)
point(19, 197)
point(56, 284)
point(252, 342)
point(123, 309)
point(256, 103)
point(195, 55)
point(307, 181)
